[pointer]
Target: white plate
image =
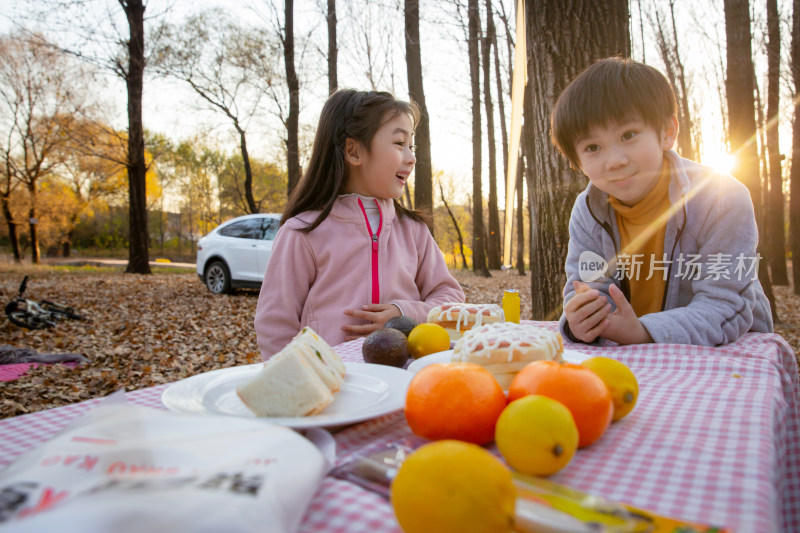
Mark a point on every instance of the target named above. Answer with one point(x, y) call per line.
point(570, 356)
point(368, 391)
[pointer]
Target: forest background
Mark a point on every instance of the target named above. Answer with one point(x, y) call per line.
point(132, 128)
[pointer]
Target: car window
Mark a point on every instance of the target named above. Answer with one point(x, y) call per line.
point(270, 228)
point(244, 229)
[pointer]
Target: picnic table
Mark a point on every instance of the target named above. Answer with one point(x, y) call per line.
point(714, 438)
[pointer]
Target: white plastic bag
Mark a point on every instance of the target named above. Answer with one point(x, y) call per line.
point(124, 469)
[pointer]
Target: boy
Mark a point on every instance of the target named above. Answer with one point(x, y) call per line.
point(661, 248)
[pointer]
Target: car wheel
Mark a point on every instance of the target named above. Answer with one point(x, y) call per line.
point(218, 278)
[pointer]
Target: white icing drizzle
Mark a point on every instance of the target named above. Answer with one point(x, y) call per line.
point(479, 342)
point(479, 311)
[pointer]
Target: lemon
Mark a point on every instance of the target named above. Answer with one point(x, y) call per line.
point(426, 339)
point(536, 435)
point(620, 381)
point(453, 486)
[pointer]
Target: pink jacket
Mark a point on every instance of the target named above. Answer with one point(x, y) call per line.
point(312, 278)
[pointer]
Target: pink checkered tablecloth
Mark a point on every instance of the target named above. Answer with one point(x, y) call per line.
point(714, 438)
point(12, 372)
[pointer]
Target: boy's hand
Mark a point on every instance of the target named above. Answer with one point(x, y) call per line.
point(376, 314)
point(587, 312)
point(624, 326)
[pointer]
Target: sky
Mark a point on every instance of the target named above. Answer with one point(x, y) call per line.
point(172, 109)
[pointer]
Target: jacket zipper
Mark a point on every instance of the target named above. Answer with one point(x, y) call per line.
point(624, 285)
point(671, 256)
point(376, 289)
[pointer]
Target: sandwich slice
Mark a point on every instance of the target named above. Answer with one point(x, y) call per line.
point(327, 363)
point(300, 380)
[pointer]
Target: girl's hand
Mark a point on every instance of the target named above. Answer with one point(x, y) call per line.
point(587, 312)
point(624, 327)
point(376, 314)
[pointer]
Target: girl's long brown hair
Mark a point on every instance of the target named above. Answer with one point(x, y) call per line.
point(347, 114)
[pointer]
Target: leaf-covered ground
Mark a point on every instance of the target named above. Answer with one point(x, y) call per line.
point(148, 330)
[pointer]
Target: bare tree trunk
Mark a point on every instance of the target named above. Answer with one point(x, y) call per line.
point(527, 144)
point(138, 253)
point(292, 132)
point(776, 252)
point(501, 108)
point(520, 218)
point(333, 50)
point(12, 228)
point(641, 30)
point(5, 202)
point(248, 171)
point(478, 242)
point(670, 55)
point(685, 128)
point(423, 174)
point(33, 224)
point(455, 225)
point(794, 177)
point(528, 149)
point(493, 240)
point(762, 162)
point(563, 38)
point(739, 86)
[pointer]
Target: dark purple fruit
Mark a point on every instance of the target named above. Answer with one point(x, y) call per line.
point(386, 346)
point(402, 323)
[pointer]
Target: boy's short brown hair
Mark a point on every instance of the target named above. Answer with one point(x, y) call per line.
point(610, 91)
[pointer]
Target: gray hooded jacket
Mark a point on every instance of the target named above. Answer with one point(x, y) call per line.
point(712, 294)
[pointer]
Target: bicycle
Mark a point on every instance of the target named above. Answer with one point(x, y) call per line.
point(31, 314)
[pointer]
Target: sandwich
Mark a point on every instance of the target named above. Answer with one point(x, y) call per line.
point(300, 380)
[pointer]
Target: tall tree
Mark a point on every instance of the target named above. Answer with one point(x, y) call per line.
point(794, 177)
point(520, 217)
point(423, 175)
point(527, 158)
point(739, 87)
point(91, 40)
point(670, 54)
point(227, 66)
point(333, 49)
point(500, 96)
point(478, 239)
point(293, 84)
point(563, 38)
point(138, 253)
point(775, 246)
point(493, 241)
point(455, 226)
point(38, 95)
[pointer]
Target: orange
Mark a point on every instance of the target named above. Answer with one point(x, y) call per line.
point(454, 401)
point(577, 387)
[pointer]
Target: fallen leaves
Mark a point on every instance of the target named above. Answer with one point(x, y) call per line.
point(149, 330)
point(145, 330)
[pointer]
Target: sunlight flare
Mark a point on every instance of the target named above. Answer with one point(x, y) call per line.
point(719, 160)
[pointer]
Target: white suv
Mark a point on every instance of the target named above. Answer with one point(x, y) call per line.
point(235, 253)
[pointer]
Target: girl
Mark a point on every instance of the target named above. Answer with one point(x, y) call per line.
point(348, 256)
